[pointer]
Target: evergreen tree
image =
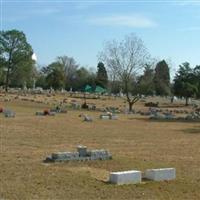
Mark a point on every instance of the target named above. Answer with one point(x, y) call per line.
point(146, 82)
point(197, 79)
point(184, 83)
point(162, 79)
point(102, 77)
point(2, 72)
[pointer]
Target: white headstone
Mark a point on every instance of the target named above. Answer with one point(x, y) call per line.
point(126, 177)
point(160, 174)
point(104, 117)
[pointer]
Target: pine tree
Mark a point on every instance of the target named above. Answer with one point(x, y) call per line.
point(162, 79)
point(102, 77)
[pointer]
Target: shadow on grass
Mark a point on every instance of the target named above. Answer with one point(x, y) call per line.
point(144, 181)
point(192, 130)
point(166, 120)
point(173, 106)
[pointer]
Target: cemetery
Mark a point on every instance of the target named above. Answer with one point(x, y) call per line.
point(143, 149)
point(99, 100)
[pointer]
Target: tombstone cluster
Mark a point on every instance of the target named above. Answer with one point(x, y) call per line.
point(82, 154)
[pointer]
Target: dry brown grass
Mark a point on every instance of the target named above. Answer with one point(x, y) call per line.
point(135, 144)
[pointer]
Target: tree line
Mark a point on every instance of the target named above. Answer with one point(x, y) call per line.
point(65, 73)
point(18, 69)
point(124, 66)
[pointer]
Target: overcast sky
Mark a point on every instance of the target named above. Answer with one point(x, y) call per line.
point(169, 29)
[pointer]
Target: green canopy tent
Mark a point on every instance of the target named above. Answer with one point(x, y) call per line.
point(88, 88)
point(99, 90)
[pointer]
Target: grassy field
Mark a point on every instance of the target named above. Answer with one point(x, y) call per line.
point(135, 143)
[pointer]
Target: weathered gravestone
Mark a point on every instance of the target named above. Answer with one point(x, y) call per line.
point(91, 107)
point(38, 113)
point(45, 113)
point(58, 110)
point(60, 156)
point(82, 154)
point(169, 116)
point(82, 150)
point(75, 106)
point(86, 118)
point(157, 116)
point(9, 113)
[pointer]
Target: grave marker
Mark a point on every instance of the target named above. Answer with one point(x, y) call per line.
point(9, 113)
point(126, 177)
point(160, 174)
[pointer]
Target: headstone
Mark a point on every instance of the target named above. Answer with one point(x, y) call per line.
point(104, 117)
point(75, 105)
point(114, 117)
point(157, 116)
point(168, 116)
point(81, 155)
point(9, 113)
point(60, 156)
point(52, 113)
point(82, 150)
point(54, 110)
point(108, 115)
point(63, 110)
point(87, 118)
point(126, 177)
point(99, 154)
point(38, 113)
point(160, 174)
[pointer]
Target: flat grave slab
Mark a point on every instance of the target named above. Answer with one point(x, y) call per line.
point(160, 174)
point(125, 177)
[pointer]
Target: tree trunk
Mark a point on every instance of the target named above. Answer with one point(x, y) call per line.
point(172, 99)
point(7, 79)
point(8, 71)
point(130, 106)
point(186, 101)
point(84, 98)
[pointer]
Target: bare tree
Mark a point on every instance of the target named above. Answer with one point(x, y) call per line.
point(69, 66)
point(125, 60)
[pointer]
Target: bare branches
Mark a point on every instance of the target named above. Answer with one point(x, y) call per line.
point(125, 60)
